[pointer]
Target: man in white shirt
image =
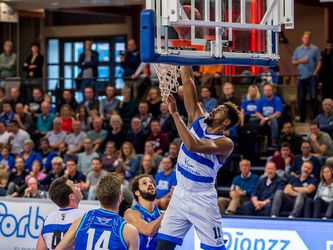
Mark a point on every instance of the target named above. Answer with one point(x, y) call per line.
point(4, 135)
point(17, 137)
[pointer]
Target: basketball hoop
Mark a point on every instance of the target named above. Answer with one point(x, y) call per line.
point(168, 76)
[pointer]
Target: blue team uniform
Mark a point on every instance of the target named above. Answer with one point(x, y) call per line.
point(147, 243)
point(100, 229)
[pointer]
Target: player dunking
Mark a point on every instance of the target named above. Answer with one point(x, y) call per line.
point(202, 154)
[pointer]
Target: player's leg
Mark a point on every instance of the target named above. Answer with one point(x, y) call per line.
point(174, 226)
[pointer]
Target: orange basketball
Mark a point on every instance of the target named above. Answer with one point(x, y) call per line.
point(184, 32)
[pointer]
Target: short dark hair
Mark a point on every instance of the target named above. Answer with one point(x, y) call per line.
point(233, 114)
point(314, 123)
point(288, 122)
point(71, 159)
point(59, 192)
point(8, 102)
point(44, 139)
point(285, 145)
point(35, 44)
point(97, 159)
point(108, 190)
point(15, 123)
point(135, 183)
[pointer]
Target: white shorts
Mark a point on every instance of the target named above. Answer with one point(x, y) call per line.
point(193, 208)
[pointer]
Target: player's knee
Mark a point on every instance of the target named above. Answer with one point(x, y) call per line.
point(165, 245)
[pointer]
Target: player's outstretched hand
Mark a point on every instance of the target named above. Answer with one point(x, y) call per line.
point(171, 104)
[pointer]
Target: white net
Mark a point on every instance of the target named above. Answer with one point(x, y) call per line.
point(168, 76)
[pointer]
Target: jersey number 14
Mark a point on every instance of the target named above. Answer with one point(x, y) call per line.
point(102, 242)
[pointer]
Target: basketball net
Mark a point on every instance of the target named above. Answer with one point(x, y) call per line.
point(168, 76)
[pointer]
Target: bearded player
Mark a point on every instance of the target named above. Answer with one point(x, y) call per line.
point(203, 153)
point(145, 215)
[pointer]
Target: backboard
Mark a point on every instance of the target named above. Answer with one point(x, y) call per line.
point(236, 32)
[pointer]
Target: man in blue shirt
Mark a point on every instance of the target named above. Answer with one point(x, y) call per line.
point(325, 119)
point(295, 194)
point(269, 111)
point(165, 181)
point(8, 114)
point(307, 58)
point(241, 189)
point(208, 102)
point(263, 194)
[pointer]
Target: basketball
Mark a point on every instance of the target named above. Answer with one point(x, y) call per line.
point(183, 31)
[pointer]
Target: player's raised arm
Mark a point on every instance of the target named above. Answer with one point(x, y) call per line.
point(148, 229)
point(68, 241)
point(131, 237)
point(192, 106)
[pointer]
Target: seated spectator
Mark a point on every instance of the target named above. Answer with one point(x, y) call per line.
point(63, 152)
point(24, 119)
point(110, 157)
point(173, 153)
point(45, 119)
point(159, 139)
point(17, 176)
point(67, 98)
point(8, 114)
point(144, 115)
point(228, 94)
point(137, 136)
point(98, 134)
point(46, 154)
point(165, 181)
point(209, 102)
point(269, 111)
point(126, 193)
point(127, 107)
point(34, 103)
point(269, 75)
point(288, 135)
point(166, 122)
point(83, 116)
point(117, 134)
point(249, 105)
point(126, 155)
point(321, 142)
point(36, 171)
point(154, 101)
point(2, 97)
point(6, 159)
point(75, 140)
point(4, 135)
point(263, 194)
point(283, 160)
point(56, 136)
point(146, 166)
point(325, 120)
point(295, 194)
point(323, 200)
point(240, 190)
point(33, 191)
point(67, 119)
point(4, 174)
point(56, 171)
point(29, 155)
point(131, 60)
point(109, 104)
point(156, 158)
point(90, 102)
point(85, 158)
point(94, 177)
point(16, 96)
point(73, 174)
point(17, 137)
point(8, 61)
point(306, 155)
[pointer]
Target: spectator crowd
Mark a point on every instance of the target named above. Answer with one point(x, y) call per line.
point(134, 133)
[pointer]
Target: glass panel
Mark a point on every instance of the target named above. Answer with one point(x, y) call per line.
point(118, 72)
point(103, 50)
point(53, 51)
point(78, 49)
point(120, 83)
point(68, 52)
point(119, 50)
point(76, 71)
point(78, 96)
point(68, 73)
point(103, 73)
point(53, 72)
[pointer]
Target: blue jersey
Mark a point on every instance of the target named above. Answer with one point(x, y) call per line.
point(147, 243)
point(100, 229)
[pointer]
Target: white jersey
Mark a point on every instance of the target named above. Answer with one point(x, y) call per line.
point(195, 171)
point(57, 224)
